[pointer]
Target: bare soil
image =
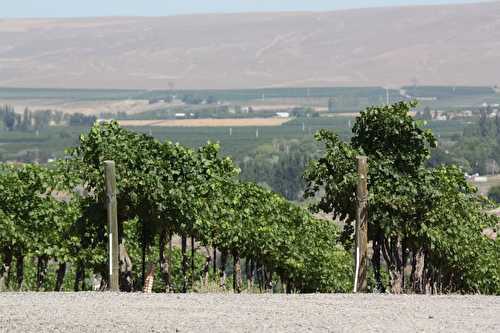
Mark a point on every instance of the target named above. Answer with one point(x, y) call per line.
point(110, 312)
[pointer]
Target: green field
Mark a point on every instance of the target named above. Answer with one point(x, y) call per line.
point(52, 141)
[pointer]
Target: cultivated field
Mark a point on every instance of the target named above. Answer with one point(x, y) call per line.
point(88, 107)
point(235, 122)
point(108, 312)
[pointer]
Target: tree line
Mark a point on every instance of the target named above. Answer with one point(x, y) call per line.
point(35, 120)
point(477, 149)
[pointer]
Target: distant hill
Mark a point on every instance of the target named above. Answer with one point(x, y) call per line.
point(431, 45)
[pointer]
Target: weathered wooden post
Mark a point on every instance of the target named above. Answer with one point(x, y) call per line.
point(360, 279)
point(149, 280)
point(192, 262)
point(114, 254)
point(215, 261)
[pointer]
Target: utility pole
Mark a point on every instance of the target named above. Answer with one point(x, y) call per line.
point(110, 177)
point(360, 279)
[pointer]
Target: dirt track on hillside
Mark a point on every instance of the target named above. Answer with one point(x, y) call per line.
point(107, 312)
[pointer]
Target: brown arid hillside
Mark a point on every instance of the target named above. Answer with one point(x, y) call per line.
point(433, 45)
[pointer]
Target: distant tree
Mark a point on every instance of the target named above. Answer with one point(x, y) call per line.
point(302, 112)
point(427, 115)
point(497, 124)
point(18, 121)
point(79, 119)
point(331, 106)
point(9, 117)
point(484, 128)
point(42, 118)
point(494, 194)
point(211, 100)
point(191, 99)
point(57, 117)
point(26, 124)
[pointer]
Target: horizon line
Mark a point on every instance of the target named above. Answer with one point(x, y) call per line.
point(346, 9)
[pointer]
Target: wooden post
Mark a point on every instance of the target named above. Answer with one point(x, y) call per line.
point(110, 178)
point(361, 268)
point(149, 280)
point(215, 262)
point(192, 262)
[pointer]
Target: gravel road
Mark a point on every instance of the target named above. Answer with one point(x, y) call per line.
point(110, 312)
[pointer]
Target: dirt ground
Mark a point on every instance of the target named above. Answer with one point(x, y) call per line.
point(110, 312)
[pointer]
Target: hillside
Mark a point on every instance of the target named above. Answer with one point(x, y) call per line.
point(433, 45)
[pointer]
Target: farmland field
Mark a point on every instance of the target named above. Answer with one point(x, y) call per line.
point(108, 312)
point(345, 99)
point(52, 141)
point(227, 122)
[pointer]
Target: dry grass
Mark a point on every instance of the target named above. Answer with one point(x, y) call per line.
point(233, 122)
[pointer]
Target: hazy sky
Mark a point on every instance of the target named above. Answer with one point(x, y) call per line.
point(72, 8)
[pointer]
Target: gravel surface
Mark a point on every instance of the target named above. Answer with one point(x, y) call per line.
point(109, 312)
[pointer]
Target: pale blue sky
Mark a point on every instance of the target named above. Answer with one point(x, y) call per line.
point(73, 8)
